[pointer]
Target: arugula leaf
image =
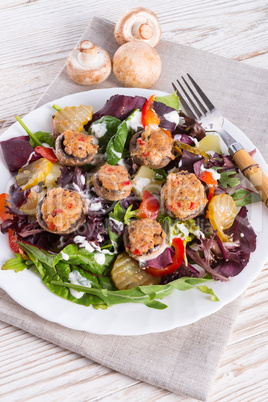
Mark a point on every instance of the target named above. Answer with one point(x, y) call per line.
point(244, 196)
point(139, 294)
point(229, 178)
point(111, 124)
point(18, 264)
point(116, 144)
point(208, 291)
point(169, 100)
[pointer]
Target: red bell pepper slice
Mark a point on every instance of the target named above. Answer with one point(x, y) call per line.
point(3, 204)
point(148, 115)
point(47, 153)
point(12, 237)
point(149, 207)
point(208, 178)
point(178, 258)
point(13, 241)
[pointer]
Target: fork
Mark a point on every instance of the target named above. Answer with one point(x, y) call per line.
point(197, 105)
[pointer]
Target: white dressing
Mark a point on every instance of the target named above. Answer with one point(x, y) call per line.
point(65, 256)
point(76, 278)
point(99, 129)
point(172, 117)
point(99, 258)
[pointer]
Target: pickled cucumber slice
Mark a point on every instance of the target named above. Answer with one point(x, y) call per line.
point(127, 274)
point(73, 118)
point(32, 174)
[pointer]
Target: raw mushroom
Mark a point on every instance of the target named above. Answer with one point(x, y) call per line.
point(137, 64)
point(140, 24)
point(88, 64)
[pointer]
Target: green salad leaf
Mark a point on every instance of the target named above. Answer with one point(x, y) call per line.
point(109, 125)
point(244, 196)
point(17, 263)
point(229, 178)
point(169, 100)
point(140, 294)
point(116, 144)
point(92, 284)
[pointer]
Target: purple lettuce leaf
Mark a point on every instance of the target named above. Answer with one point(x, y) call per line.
point(188, 161)
point(17, 151)
point(190, 127)
point(204, 258)
point(161, 109)
point(183, 270)
point(119, 106)
point(225, 162)
point(186, 139)
point(17, 196)
point(164, 259)
point(72, 175)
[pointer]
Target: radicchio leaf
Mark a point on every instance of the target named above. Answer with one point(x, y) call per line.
point(190, 127)
point(161, 110)
point(17, 152)
point(164, 259)
point(119, 106)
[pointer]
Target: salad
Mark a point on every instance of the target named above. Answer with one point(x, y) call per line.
point(125, 204)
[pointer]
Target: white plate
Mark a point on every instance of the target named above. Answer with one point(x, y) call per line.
point(184, 308)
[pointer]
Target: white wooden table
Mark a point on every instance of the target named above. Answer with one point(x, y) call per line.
point(36, 36)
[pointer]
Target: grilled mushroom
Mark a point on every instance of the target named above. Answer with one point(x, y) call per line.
point(88, 64)
point(152, 147)
point(75, 149)
point(140, 24)
point(61, 211)
point(144, 239)
point(112, 182)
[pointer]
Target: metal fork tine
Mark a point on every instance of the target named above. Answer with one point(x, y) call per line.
point(185, 105)
point(201, 93)
point(197, 101)
point(194, 108)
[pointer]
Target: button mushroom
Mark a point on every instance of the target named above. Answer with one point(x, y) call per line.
point(88, 64)
point(140, 24)
point(137, 64)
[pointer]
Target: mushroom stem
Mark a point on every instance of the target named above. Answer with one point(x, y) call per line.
point(145, 31)
point(87, 53)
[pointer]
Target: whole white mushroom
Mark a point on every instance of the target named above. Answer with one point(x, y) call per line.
point(138, 23)
point(137, 64)
point(88, 64)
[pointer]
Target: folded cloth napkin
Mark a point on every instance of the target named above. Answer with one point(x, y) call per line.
point(183, 360)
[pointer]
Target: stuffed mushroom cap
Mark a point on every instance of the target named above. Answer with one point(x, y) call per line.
point(75, 149)
point(153, 147)
point(112, 183)
point(183, 196)
point(61, 211)
point(144, 239)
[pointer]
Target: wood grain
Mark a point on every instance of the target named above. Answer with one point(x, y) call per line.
point(36, 37)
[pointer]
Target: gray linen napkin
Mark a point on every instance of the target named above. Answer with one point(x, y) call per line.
point(183, 360)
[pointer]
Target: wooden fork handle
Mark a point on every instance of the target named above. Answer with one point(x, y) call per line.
point(253, 172)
